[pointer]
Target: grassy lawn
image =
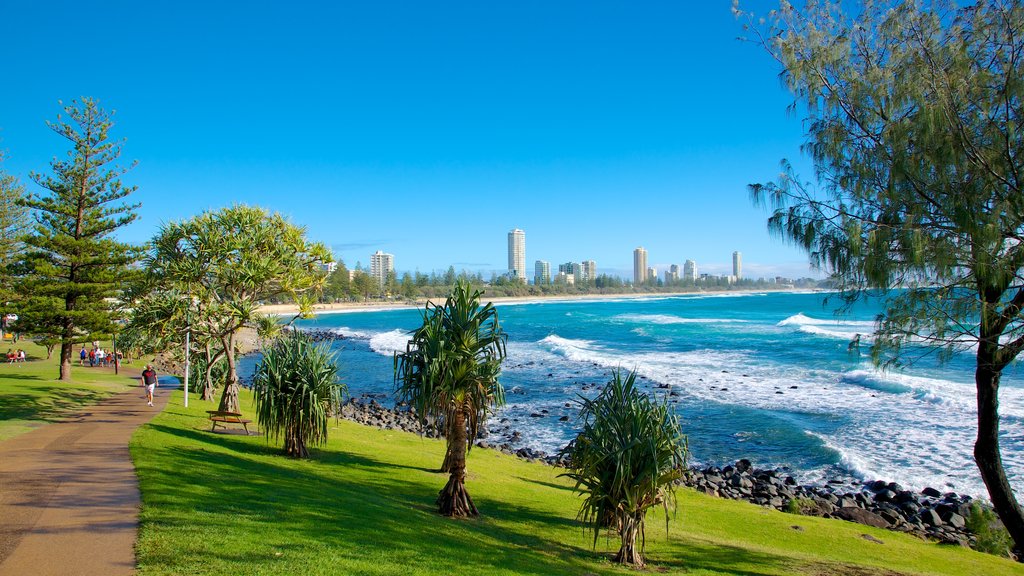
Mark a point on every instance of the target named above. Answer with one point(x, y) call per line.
point(31, 395)
point(228, 504)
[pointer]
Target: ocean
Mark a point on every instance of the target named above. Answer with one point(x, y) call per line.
point(764, 376)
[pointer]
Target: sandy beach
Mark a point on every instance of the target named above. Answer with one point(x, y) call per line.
point(342, 307)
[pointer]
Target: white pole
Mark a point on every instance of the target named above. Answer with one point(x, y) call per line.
point(188, 332)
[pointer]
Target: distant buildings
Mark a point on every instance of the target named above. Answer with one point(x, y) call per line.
point(588, 271)
point(329, 267)
point(517, 254)
point(541, 272)
point(690, 271)
point(381, 264)
point(737, 265)
point(639, 266)
point(652, 275)
point(672, 274)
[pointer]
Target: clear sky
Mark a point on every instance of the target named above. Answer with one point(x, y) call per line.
point(427, 129)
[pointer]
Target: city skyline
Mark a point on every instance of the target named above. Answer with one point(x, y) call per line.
point(385, 108)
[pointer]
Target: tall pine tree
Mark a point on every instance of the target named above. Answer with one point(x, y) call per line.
point(74, 268)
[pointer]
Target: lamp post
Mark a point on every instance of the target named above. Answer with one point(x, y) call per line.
point(188, 348)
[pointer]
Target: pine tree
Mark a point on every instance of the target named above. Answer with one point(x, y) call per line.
point(74, 268)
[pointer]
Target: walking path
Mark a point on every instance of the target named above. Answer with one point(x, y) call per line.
point(69, 497)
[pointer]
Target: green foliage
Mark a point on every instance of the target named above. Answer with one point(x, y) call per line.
point(450, 371)
point(14, 221)
point(227, 262)
point(911, 113)
point(801, 506)
point(991, 537)
point(626, 460)
point(296, 390)
point(73, 267)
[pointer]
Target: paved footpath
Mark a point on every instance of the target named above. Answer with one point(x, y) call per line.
point(69, 497)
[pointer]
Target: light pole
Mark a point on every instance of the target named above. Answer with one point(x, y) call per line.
point(188, 334)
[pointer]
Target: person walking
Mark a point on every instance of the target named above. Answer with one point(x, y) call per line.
point(83, 355)
point(149, 382)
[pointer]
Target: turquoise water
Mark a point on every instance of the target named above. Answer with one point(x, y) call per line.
point(767, 377)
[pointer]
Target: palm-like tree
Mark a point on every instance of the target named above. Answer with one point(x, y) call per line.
point(625, 461)
point(450, 371)
point(297, 388)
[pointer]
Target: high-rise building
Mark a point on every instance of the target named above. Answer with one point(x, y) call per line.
point(690, 271)
point(672, 274)
point(381, 264)
point(652, 275)
point(737, 265)
point(541, 272)
point(517, 254)
point(588, 271)
point(639, 266)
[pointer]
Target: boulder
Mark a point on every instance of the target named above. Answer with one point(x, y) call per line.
point(930, 517)
point(931, 492)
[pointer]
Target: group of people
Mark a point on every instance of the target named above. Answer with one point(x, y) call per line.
point(98, 357)
point(15, 355)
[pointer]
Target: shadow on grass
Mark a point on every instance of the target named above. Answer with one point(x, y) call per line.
point(47, 404)
point(198, 485)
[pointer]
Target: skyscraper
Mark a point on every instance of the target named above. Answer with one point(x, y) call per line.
point(381, 264)
point(588, 271)
point(517, 254)
point(639, 266)
point(737, 265)
point(690, 271)
point(672, 274)
point(541, 272)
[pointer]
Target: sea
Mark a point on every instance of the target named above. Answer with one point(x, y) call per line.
point(770, 377)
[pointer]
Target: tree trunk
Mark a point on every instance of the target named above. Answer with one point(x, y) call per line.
point(65, 359)
point(229, 399)
point(629, 528)
point(295, 443)
point(986, 449)
point(446, 466)
point(454, 500)
point(208, 387)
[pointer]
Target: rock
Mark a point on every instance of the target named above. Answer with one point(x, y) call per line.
point(931, 492)
point(862, 517)
point(953, 519)
point(563, 419)
point(885, 495)
point(930, 517)
point(871, 538)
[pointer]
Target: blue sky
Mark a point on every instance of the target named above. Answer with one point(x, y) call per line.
point(427, 130)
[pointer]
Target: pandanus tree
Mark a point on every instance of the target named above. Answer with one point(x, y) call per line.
point(625, 461)
point(449, 372)
point(296, 390)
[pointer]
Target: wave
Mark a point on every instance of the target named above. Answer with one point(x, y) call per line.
point(671, 319)
point(387, 343)
point(800, 319)
point(839, 329)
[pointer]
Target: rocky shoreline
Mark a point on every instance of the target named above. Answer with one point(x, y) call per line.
point(929, 514)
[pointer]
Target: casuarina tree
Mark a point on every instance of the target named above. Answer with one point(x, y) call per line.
point(449, 372)
point(297, 389)
point(913, 116)
point(625, 461)
point(73, 267)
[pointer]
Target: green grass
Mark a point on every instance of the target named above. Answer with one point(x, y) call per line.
point(31, 395)
point(228, 504)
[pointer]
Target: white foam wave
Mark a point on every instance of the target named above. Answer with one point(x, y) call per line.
point(387, 343)
point(671, 319)
point(350, 333)
point(800, 319)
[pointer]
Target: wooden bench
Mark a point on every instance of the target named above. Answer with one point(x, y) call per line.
point(221, 417)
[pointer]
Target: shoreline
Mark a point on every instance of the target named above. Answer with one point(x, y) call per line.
point(352, 307)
